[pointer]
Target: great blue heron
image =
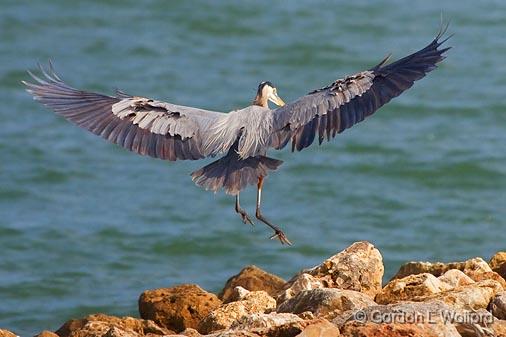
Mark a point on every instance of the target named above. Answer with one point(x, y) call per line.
point(171, 132)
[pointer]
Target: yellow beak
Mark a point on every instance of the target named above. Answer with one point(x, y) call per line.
point(274, 98)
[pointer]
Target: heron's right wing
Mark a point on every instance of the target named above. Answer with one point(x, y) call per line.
point(142, 125)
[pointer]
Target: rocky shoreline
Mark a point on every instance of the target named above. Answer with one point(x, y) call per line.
point(343, 296)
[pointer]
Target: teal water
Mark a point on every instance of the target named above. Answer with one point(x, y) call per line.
point(86, 226)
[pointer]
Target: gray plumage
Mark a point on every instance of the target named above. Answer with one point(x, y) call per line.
point(174, 132)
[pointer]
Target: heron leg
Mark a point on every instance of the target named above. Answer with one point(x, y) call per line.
point(244, 216)
point(278, 233)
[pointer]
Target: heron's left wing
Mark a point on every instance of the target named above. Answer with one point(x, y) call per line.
point(344, 103)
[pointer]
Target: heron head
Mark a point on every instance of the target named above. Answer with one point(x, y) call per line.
point(267, 92)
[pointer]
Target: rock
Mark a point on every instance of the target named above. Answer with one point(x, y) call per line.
point(299, 283)
point(103, 323)
point(223, 317)
point(190, 332)
point(395, 313)
point(252, 278)
point(320, 329)
point(271, 325)
point(470, 297)
point(238, 294)
point(46, 333)
point(179, 307)
point(327, 302)
point(455, 278)
point(490, 275)
point(499, 327)
point(359, 267)
point(498, 263)
point(410, 287)
point(237, 333)
point(7, 333)
point(498, 305)
point(357, 329)
point(438, 268)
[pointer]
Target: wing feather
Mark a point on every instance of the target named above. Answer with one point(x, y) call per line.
point(348, 101)
point(146, 126)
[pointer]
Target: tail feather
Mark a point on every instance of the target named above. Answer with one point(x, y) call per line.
point(233, 174)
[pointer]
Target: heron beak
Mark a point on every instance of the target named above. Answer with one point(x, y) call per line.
point(274, 98)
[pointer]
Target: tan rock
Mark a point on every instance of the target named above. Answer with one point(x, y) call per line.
point(102, 329)
point(238, 294)
point(271, 325)
point(369, 329)
point(498, 305)
point(105, 322)
point(403, 312)
point(47, 333)
point(476, 264)
point(490, 275)
point(455, 278)
point(359, 267)
point(252, 278)
point(326, 303)
point(470, 297)
point(499, 327)
point(236, 333)
point(190, 332)
point(410, 287)
point(320, 329)
point(297, 284)
point(7, 333)
point(223, 317)
point(498, 263)
point(179, 307)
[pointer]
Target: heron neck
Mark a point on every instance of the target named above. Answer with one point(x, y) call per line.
point(261, 101)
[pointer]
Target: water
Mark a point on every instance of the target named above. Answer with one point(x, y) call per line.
point(86, 226)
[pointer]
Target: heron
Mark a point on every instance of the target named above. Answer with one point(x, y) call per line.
point(240, 137)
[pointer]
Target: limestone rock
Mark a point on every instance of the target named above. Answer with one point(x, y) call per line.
point(7, 333)
point(403, 312)
point(320, 329)
point(238, 293)
point(499, 327)
point(297, 284)
point(237, 333)
point(359, 267)
point(490, 275)
point(223, 317)
point(327, 302)
point(411, 286)
point(476, 264)
point(190, 332)
point(470, 297)
point(179, 307)
point(455, 278)
point(498, 263)
point(101, 322)
point(357, 329)
point(271, 325)
point(47, 333)
point(252, 278)
point(498, 305)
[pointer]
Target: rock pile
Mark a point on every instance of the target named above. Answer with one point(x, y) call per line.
point(343, 296)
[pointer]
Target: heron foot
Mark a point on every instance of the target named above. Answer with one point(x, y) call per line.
point(244, 216)
point(281, 237)
point(278, 233)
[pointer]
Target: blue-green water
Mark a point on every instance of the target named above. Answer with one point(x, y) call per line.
point(86, 226)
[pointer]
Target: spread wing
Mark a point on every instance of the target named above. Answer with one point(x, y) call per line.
point(146, 126)
point(344, 103)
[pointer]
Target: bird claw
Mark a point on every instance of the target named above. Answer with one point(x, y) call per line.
point(245, 218)
point(281, 237)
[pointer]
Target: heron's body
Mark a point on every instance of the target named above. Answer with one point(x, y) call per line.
point(242, 137)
